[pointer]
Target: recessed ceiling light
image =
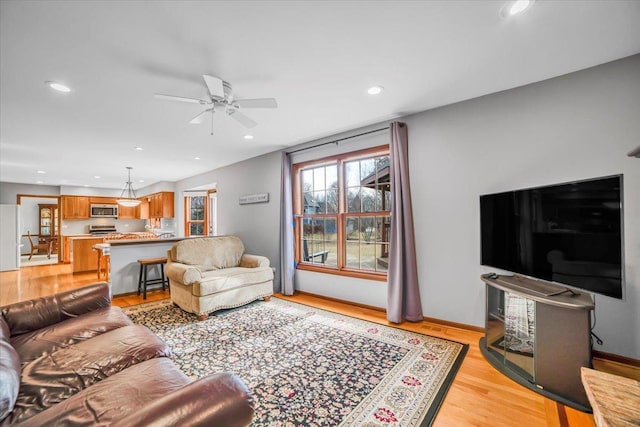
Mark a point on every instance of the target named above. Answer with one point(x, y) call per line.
point(39, 182)
point(375, 90)
point(515, 7)
point(96, 176)
point(58, 86)
point(41, 172)
point(138, 148)
point(142, 180)
point(248, 136)
point(196, 158)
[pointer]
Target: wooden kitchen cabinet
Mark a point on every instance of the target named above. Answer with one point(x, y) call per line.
point(161, 205)
point(75, 207)
point(84, 257)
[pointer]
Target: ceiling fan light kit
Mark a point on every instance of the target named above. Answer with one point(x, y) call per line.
point(220, 98)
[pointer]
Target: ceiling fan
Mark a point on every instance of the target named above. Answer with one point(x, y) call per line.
point(220, 98)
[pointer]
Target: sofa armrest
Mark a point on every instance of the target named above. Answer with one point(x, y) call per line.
point(27, 316)
point(217, 400)
point(253, 261)
point(183, 273)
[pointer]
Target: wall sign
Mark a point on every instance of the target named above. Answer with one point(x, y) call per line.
point(254, 198)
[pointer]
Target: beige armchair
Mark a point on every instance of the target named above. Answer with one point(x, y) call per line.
point(212, 273)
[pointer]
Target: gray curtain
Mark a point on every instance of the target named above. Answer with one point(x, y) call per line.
point(403, 291)
point(287, 266)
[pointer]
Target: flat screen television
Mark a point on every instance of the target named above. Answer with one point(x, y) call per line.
point(567, 233)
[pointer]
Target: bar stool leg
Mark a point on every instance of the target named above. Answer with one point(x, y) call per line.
point(140, 279)
point(144, 283)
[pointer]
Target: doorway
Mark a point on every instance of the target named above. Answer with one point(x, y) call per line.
point(40, 224)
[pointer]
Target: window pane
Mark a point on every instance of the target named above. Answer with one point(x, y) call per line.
point(352, 173)
point(367, 256)
point(310, 205)
point(352, 228)
point(332, 177)
point(368, 199)
point(353, 199)
point(318, 179)
point(353, 255)
point(307, 180)
point(332, 201)
point(382, 257)
point(196, 229)
point(319, 197)
point(367, 169)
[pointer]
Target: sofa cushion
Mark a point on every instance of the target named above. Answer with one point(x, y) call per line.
point(230, 278)
point(9, 371)
point(209, 252)
point(27, 316)
point(116, 396)
point(56, 376)
point(34, 344)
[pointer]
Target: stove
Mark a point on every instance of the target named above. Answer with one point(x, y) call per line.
point(98, 230)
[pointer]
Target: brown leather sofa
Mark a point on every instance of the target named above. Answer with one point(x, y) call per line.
point(72, 359)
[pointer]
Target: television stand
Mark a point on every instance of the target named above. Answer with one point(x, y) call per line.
point(539, 335)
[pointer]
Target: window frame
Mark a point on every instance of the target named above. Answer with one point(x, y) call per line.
point(187, 215)
point(296, 180)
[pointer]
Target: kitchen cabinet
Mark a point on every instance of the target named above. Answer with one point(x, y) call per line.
point(75, 207)
point(102, 200)
point(84, 257)
point(161, 205)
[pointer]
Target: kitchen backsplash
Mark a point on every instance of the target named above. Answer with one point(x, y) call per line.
point(82, 226)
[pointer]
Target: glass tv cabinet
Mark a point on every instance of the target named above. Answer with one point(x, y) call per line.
point(539, 334)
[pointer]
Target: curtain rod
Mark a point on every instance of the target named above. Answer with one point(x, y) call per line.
point(337, 140)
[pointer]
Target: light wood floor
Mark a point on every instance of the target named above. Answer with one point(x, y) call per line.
point(479, 395)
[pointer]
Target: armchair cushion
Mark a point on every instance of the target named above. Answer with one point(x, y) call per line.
point(230, 278)
point(226, 252)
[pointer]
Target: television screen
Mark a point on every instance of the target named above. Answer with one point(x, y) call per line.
point(567, 233)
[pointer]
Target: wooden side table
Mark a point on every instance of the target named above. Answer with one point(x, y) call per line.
point(615, 400)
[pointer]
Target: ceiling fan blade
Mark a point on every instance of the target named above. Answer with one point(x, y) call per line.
point(256, 103)
point(179, 98)
point(214, 85)
point(242, 119)
point(198, 119)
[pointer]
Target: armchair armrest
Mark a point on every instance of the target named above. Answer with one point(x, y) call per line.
point(253, 261)
point(217, 400)
point(37, 313)
point(183, 273)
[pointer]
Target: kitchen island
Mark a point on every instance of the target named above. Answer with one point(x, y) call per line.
point(124, 256)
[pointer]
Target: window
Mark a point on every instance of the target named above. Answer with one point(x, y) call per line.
point(195, 208)
point(342, 206)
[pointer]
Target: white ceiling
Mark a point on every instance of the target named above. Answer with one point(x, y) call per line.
point(316, 58)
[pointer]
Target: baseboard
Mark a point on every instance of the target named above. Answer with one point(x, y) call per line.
point(616, 358)
point(381, 309)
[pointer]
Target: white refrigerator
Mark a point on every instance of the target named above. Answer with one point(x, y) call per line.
point(9, 237)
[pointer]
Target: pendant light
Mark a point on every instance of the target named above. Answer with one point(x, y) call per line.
point(128, 196)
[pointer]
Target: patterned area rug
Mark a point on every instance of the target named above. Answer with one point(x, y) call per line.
point(306, 366)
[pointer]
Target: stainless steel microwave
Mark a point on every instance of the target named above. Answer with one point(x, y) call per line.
point(104, 211)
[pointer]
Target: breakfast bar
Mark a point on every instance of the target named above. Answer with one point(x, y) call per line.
point(124, 256)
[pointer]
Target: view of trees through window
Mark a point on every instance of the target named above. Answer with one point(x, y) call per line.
point(345, 207)
point(196, 215)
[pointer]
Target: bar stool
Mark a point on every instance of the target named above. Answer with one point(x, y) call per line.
point(143, 281)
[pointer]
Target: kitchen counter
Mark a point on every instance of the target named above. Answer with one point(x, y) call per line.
point(124, 256)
